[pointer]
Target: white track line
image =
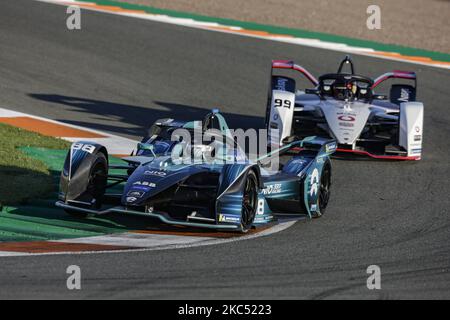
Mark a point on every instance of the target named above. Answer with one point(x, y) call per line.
point(138, 240)
point(275, 229)
point(12, 254)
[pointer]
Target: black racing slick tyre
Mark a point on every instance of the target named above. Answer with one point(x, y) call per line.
point(96, 185)
point(249, 201)
point(324, 190)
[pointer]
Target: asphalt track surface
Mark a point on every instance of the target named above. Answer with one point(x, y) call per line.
point(119, 74)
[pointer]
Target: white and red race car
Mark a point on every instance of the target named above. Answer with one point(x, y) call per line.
point(345, 107)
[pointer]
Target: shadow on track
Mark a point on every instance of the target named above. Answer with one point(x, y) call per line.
point(27, 204)
point(20, 185)
point(110, 113)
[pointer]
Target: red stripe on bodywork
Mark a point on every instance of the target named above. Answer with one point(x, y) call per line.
point(286, 64)
point(375, 156)
point(397, 74)
point(55, 247)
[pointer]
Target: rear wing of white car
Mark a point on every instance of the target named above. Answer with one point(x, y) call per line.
point(288, 64)
point(396, 74)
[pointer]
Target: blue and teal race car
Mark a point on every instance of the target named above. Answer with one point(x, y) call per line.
point(209, 186)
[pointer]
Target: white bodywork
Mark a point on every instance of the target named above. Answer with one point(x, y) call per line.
point(411, 127)
point(345, 121)
point(281, 116)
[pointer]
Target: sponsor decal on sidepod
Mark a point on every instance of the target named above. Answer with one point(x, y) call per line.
point(229, 218)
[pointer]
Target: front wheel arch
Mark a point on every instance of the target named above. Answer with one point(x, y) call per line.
point(314, 207)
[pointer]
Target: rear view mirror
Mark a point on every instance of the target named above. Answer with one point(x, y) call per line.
point(312, 91)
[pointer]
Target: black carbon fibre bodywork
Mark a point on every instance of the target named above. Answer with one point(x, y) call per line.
point(77, 167)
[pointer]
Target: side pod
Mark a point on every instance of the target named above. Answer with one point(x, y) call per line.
point(411, 127)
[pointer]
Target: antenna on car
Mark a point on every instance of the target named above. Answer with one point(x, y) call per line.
point(347, 60)
point(145, 146)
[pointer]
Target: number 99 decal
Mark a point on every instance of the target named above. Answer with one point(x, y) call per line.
point(282, 103)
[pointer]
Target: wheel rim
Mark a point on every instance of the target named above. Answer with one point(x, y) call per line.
point(249, 203)
point(97, 182)
point(324, 194)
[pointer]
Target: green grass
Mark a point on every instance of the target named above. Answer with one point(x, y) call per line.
point(22, 177)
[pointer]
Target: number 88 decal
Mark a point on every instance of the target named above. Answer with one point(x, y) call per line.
point(84, 147)
point(314, 181)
